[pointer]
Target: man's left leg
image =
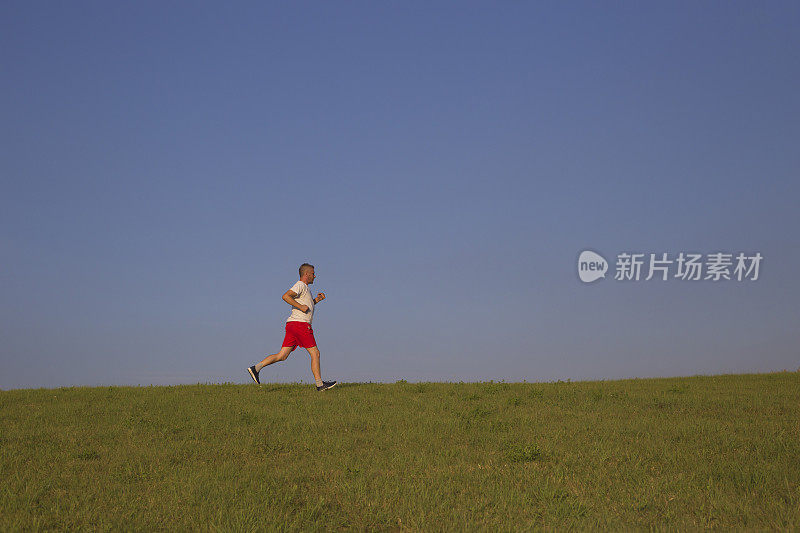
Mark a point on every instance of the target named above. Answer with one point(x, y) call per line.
point(274, 358)
point(282, 355)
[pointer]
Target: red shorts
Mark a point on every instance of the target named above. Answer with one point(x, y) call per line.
point(299, 334)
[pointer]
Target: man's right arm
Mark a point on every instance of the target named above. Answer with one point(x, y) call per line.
point(289, 297)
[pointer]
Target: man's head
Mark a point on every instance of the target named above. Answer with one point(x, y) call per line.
point(307, 273)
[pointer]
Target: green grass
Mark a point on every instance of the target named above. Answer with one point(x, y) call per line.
point(720, 451)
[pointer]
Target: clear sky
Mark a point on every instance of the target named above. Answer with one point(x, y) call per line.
point(167, 166)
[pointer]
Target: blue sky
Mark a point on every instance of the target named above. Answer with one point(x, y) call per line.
point(167, 167)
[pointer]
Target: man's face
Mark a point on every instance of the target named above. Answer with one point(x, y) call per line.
point(310, 276)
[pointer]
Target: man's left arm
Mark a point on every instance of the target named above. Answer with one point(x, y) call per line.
point(319, 298)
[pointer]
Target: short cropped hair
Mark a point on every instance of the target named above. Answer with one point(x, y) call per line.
point(304, 268)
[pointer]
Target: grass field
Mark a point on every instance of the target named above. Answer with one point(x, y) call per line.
point(719, 451)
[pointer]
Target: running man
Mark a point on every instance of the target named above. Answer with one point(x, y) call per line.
point(298, 328)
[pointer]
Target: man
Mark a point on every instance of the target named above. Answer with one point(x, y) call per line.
point(298, 328)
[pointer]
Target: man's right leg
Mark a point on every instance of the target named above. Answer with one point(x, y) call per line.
point(321, 385)
point(314, 353)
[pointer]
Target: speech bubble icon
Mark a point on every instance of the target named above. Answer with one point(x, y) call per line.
point(591, 266)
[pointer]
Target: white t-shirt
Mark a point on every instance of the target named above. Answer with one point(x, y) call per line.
point(303, 297)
